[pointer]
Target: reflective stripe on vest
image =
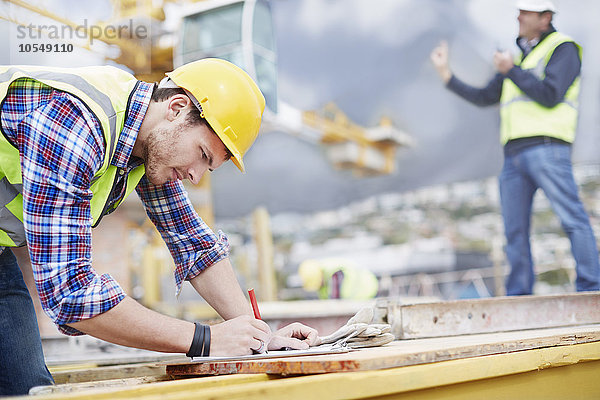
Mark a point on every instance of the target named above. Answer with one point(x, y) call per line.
point(522, 117)
point(106, 91)
point(12, 227)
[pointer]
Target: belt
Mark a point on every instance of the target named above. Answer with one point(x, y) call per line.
point(516, 145)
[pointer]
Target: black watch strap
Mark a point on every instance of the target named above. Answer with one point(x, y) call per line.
point(196, 346)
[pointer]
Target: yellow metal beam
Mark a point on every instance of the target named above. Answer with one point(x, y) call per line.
point(335, 125)
point(201, 197)
point(337, 128)
point(134, 8)
point(43, 12)
point(267, 290)
point(151, 271)
point(568, 382)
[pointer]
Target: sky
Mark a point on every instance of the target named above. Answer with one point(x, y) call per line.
point(372, 59)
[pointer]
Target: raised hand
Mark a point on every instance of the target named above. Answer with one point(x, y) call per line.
point(439, 58)
point(503, 61)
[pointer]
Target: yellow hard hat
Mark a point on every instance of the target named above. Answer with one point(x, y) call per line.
point(227, 98)
point(311, 274)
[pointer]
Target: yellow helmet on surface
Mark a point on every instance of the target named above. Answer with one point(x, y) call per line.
point(311, 274)
point(227, 98)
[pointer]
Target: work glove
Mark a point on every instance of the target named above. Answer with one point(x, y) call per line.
point(359, 332)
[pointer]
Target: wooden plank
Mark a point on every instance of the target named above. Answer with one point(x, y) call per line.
point(86, 374)
point(553, 372)
point(109, 383)
point(133, 388)
point(56, 369)
point(398, 353)
point(410, 321)
point(112, 357)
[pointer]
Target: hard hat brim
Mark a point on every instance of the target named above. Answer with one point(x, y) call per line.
point(529, 6)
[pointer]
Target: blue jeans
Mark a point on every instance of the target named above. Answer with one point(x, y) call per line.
point(22, 363)
point(546, 166)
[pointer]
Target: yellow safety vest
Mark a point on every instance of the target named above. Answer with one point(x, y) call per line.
point(522, 117)
point(358, 284)
point(106, 92)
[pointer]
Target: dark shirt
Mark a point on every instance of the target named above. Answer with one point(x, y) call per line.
point(562, 69)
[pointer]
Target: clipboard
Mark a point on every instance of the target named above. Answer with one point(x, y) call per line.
point(317, 350)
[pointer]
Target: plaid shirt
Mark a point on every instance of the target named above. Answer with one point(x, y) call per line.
point(62, 146)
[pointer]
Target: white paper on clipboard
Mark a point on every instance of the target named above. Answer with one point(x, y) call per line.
point(317, 350)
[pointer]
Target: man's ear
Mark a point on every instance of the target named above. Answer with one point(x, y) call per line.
point(176, 105)
point(547, 18)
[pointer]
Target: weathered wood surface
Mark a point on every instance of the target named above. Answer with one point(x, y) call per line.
point(127, 371)
point(96, 357)
point(151, 388)
point(399, 353)
point(498, 314)
point(110, 383)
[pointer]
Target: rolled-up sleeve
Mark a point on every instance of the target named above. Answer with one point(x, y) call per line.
point(192, 244)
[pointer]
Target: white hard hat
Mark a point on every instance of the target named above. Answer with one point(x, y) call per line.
point(536, 5)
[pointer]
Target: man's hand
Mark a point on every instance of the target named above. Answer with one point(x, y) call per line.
point(439, 58)
point(238, 336)
point(503, 61)
point(295, 336)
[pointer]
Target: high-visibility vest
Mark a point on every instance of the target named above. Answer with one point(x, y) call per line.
point(106, 92)
point(357, 284)
point(522, 117)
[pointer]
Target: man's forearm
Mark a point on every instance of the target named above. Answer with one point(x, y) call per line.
point(218, 285)
point(479, 96)
point(133, 325)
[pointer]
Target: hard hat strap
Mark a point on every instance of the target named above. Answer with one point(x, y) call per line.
point(195, 101)
point(167, 83)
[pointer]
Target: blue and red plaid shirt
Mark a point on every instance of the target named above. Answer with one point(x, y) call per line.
point(62, 147)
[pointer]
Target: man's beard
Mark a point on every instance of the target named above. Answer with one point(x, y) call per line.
point(158, 151)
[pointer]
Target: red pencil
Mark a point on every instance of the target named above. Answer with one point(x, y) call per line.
point(254, 303)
